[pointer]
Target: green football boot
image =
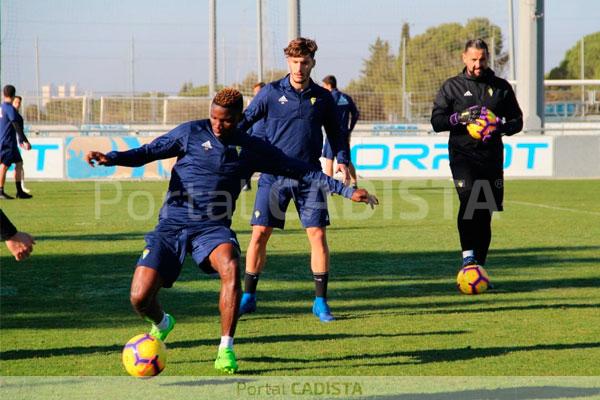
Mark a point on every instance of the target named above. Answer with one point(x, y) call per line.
point(226, 361)
point(162, 334)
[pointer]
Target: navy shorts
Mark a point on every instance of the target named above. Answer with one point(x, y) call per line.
point(273, 198)
point(10, 155)
point(166, 249)
point(327, 151)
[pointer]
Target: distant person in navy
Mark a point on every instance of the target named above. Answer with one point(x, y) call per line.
point(348, 115)
point(11, 131)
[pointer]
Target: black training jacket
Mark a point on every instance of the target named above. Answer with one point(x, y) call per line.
point(463, 91)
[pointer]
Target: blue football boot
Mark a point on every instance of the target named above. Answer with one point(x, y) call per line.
point(248, 303)
point(321, 310)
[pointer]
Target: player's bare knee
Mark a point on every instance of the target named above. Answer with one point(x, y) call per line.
point(261, 235)
point(228, 269)
point(317, 235)
point(139, 301)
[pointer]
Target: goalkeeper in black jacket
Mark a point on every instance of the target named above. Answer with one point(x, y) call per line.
point(476, 164)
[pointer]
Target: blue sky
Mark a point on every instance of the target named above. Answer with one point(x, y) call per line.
point(88, 42)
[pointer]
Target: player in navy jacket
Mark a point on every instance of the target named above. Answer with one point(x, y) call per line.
point(347, 115)
point(11, 131)
point(294, 110)
point(196, 215)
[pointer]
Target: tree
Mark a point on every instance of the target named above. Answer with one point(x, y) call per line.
point(189, 90)
point(431, 58)
point(570, 66)
point(378, 77)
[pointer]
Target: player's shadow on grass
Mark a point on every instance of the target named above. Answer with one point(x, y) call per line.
point(522, 393)
point(96, 237)
point(186, 344)
point(92, 290)
point(355, 312)
point(410, 357)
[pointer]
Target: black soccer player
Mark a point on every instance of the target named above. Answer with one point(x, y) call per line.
point(477, 165)
point(196, 215)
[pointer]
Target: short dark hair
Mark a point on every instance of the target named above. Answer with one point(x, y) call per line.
point(9, 91)
point(478, 44)
point(301, 47)
point(229, 98)
point(331, 81)
point(19, 97)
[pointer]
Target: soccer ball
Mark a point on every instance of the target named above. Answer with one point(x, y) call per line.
point(144, 355)
point(483, 126)
point(472, 279)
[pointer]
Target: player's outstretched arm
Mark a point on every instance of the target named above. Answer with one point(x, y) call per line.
point(363, 196)
point(172, 144)
point(337, 187)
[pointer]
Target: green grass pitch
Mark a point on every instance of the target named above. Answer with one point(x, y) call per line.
point(65, 311)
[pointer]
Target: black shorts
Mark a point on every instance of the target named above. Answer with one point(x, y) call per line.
point(10, 155)
point(484, 178)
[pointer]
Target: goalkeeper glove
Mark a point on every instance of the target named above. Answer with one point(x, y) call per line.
point(497, 132)
point(466, 116)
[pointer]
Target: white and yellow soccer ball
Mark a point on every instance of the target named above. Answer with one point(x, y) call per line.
point(472, 279)
point(144, 356)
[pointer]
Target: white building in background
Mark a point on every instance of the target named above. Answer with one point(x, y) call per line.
point(64, 90)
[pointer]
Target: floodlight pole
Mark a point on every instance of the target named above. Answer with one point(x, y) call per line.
point(212, 48)
point(511, 40)
point(37, 78)
point(530, 72)
point(582, 55)
point(132, 78)
point(259, 39)
point(294, 19)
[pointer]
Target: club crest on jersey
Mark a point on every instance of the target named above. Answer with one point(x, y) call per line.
point(468, 93)
point(491, 91)
point(145, 253)
point(282, 100)
point(313, 100)
point(206, 145)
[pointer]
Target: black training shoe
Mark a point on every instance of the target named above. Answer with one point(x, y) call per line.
point(469, 260)
point(4, 196)
point(24, 195)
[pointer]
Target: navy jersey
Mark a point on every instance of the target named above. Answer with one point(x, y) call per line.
point(205, 180)
point(8, 133)
point(346, 111)
point(294, 120)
